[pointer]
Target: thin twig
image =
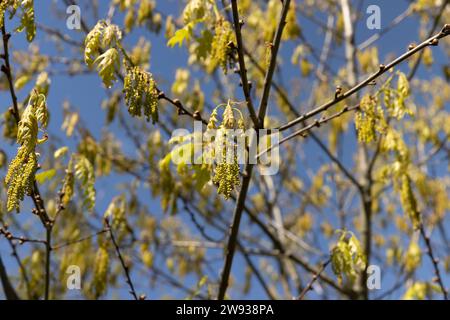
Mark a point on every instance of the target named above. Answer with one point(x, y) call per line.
point(256, 272)
point(48, 250)
point(303, 132)
point(416, 65)
point(242, 69)
point(199, 227)
point(429, 42)
point(125, 267)
point(56, 33)
point(397, 20)
point(240, 203)
point(10, 293)
point(66, 244)
point(434, 260)
point(432, 41)
point(35, 193)
point(19, 262)
point(275, 46)
point(291, 107)
point(8, 235)
point(313, 280)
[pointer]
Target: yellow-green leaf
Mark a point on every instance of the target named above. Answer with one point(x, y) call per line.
point(45, 176)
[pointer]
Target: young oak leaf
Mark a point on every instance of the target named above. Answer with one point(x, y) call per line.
point(183, 34)
point(27, 20)
point(347, 257)
point(107, 65)
point(84, 172)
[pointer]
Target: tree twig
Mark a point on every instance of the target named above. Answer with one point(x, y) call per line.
point(432, 41)
point(125, 267)
point(416, 65)
point(19, 262)
point(66, 244)
point(434, 260)
point(397, 20)
point(240, 203)
point(313, 280)
point(35, 193)
point(8, 235)
point(273, 63)
point(242, 69)
point(10, 293)
point(255, 270)
point(429, 42)
point(303, 132)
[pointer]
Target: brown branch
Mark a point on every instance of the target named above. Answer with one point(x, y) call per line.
point(246, 86)
point(365, 190)
point(240, 203)
point(8, 235)
point(66, 244)
point(255, 270)
point(15, 254)
point(273, 63)
point(125, 267)
point(434, 260)
point(433, 29)
point(303, 132)
point(397, 20)
point(35, 193)
point(306, 266)
point(313, 280)
point(10, 293)
point(432, 41)
point(291, 107)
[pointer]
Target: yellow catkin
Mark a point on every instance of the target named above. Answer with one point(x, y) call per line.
point(21, 171)
point(141, 95)
point(101, 266)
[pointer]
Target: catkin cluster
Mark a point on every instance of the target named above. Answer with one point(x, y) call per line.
point(226, 171)
point(408, 200)
point(101, 266)
point(226, 176)
point(369, 119)
point(141, 95)
point(21, 171)
point(220, 49)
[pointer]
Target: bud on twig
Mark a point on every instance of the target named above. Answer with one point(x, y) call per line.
point(197, 115)
point(434, 42)
point(338, 92)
